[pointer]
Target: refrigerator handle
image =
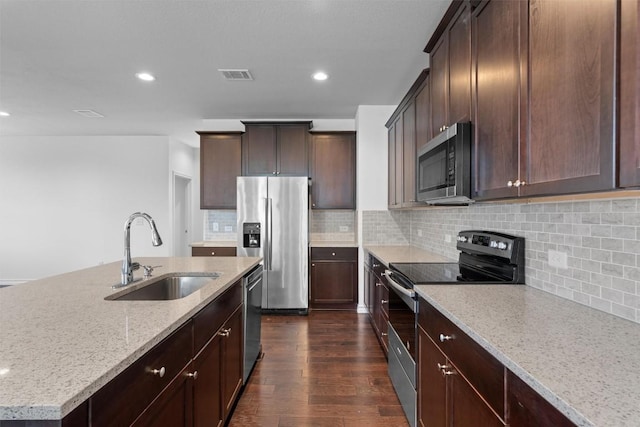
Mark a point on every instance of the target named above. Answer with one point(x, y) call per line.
point(265, 242)
point(269, 233)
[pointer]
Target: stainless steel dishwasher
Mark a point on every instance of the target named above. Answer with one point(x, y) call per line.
point(252, 290)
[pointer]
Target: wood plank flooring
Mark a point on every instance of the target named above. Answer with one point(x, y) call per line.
point(325, 369)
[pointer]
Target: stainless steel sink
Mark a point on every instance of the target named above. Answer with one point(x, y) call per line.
point(167, 288)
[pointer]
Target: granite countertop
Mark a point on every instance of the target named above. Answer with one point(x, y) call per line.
point(389, 254)
point(215, 244)
point(61, 341)
point(332, 244)
point(584, 361)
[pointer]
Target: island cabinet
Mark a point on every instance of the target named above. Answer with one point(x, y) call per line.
point(213, 251)
point(408, 126)
point(377, 300)
point(449, 52)
point(275, 148)
point(220, 165)
point(191, 378)
point(334, 278)
point(332, 170)
point(629, 94)
point(544, 124)
point(459, 383)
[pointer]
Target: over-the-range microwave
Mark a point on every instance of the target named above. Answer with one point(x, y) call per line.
point(444, 167)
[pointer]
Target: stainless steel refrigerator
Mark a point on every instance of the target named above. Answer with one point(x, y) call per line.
point(273, 223)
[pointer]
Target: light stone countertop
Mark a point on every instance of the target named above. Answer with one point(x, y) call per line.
point(584, 361)
point(215, 244)
point(60, 341)
point(405, 253)
point(332, 244)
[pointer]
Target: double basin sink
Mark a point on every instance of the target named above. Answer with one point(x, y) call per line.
point(171, 287)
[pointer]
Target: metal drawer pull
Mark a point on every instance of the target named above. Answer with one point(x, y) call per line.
point(444, 337)
point(193, 375)
point(224, 332)
point(443, 367)
point(159, 372)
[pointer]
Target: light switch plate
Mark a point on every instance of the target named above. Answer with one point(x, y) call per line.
point(215, 226)
point(447, 238)
point(344, 228)
point(228, 228)
point(419, 232)
point(558, 259)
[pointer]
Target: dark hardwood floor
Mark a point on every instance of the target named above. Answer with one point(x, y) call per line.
point(325, 369)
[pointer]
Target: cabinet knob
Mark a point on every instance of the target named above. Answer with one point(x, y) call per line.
point(333, 254)
point(213, 253)
point(383, 301)
point(224, 332)
point(384, 334)
point(275, 173)
point(313, 204)
point(444, 337)
point(193, 375)
point(313, 265)
point(378, 284)
point(517, 183)
point(159, 372)
point(443, 367)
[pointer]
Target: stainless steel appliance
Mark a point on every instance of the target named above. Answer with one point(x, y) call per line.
point(252, 311)
point(273, 217)
point(444, 167)
point(485, 258)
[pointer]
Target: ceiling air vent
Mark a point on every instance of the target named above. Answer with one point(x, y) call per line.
point(230, 74)
point(88, 113)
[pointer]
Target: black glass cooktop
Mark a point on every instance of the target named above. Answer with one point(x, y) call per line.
point(433, 273)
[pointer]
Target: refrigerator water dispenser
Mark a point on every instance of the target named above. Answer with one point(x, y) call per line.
point(251, 234)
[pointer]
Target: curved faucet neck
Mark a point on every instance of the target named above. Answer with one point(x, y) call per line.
point(127, 267)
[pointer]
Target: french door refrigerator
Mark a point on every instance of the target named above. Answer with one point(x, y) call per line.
point(273, 223)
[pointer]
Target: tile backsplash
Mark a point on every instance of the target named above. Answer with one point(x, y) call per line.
point(220, 225)
point(601, 240)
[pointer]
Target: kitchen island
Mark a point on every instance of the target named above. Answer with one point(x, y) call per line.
point(61, 341)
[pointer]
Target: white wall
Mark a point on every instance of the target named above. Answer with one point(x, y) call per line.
point(184, 161)
point(371, 176)
point(64, 200)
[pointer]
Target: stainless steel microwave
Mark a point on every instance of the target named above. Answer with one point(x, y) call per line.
point(443, 171)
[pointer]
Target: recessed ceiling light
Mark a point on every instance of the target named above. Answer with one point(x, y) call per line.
point(146, 77)
point(4, 114)
point(320, 76)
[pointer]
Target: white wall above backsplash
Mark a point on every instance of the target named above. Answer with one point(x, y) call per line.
point(601, 239)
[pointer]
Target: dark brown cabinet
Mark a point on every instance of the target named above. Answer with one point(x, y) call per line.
point(207, 402)
point(408, 126)
point(334, 278)
point(275, 149)
point(220, 165)
point(450, 62)
point(232, 361)
point(497, 102)
point(213, 251)
point(455, 370)
point(377, 300)
point(629, 94)
point(333, 170)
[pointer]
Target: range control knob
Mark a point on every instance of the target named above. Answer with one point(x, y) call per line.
point(462, 239)
point(502, 246)
point(493, 244)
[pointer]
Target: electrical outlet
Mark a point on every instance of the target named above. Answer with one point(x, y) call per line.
point(228, 228)
point(419, 232)
point(344, 228)
point(215, 226)
point(447, 238)
point(558, 259)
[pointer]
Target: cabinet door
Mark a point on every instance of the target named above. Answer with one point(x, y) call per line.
point(334, 284)
point(293, 153)
point(408, 176)
point(423, 115)
point(220, 165)
point(232, 361)
point(526, 408)
point(391, 192)
point(333, 166)
point(432, 397)
point(207, 397)
point(629, 94)
point(497, 97)
point(173, 407)
point(459, 57)
point(570, 141)
point(399, 158)
point(439, 76)
point(467, 408)
point(259, 147)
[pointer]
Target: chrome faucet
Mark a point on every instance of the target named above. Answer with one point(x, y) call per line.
point(127, 266)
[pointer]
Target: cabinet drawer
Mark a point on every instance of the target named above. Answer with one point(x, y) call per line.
point(125, 397)
point(341, 254)
point(213, 251)
point(481, 369)
point(208, 320)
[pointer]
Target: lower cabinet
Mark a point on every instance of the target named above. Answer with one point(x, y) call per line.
point(213, 251)
point(192, 378)
point(461, 384)
point(377, 300)
point(334, 278)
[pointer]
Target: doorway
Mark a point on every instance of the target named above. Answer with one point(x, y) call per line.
point(181, 215)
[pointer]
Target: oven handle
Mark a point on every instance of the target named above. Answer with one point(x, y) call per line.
point(398, 287)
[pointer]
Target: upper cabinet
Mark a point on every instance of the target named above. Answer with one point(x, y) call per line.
point(629, 94)
point(220, 165)
point(450, 63)
point(408, 128)
point(275, 149)
point(333, 170)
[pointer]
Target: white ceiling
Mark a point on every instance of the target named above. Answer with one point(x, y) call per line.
point(57, 56)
